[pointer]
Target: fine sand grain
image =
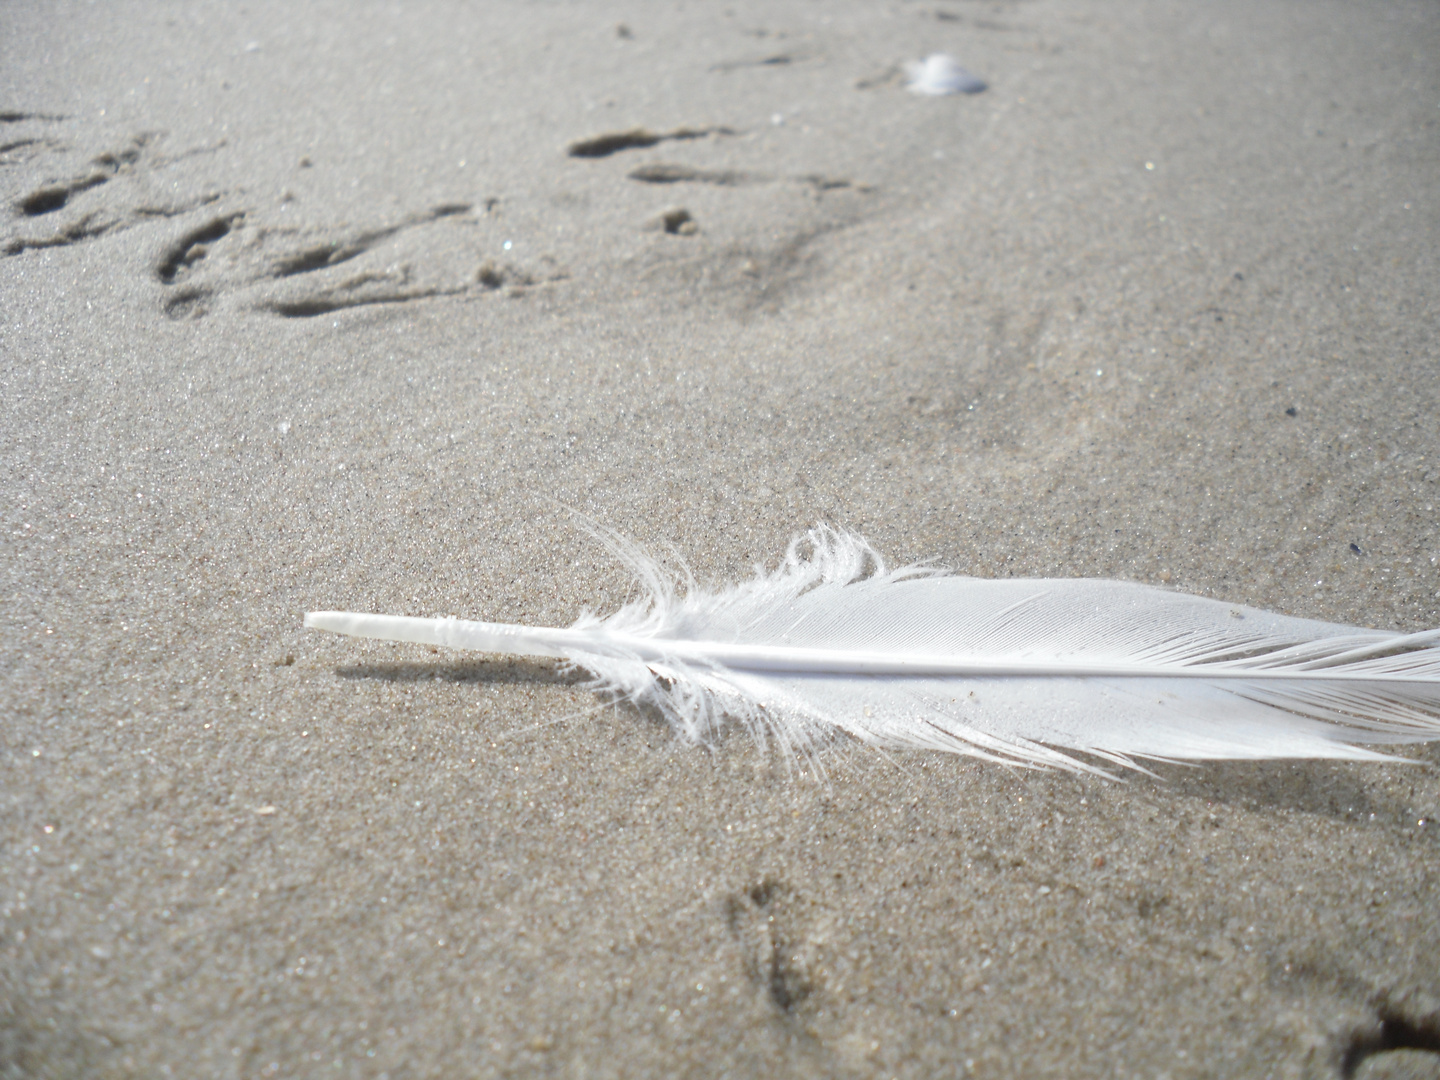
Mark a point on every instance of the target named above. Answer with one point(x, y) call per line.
point(335, 306)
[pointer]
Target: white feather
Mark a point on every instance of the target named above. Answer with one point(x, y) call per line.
point(1016, 670)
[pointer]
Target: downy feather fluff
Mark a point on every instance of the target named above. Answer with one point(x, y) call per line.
point(1025, 671)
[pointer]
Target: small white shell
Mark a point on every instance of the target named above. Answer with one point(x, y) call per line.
point(941, 74)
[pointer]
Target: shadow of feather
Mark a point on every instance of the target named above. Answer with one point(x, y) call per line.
point(1335, 790)
point(501, 672)
point(506, 672)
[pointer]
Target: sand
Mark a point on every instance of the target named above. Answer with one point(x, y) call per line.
point(313, 308)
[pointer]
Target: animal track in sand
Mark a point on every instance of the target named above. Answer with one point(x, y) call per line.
point(226, 253)
point(760, 278)
point(662, 173)
point(86, 227)
point(666, 173)
point(333, 253)
point(636, 139)
point(782, 59)
point(301, 273)
point(23, 149)
point(192, 247)
point(187, 304)
point(774, 949)
point(120, 178)
point(51, 197)
point(678, 221)
point(1407, 1044)
point(393, 284)
point(337, 300)
point(14, 151)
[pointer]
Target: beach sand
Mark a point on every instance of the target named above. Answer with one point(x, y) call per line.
point(312, 309)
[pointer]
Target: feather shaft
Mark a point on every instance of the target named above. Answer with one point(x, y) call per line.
point(512, 639)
